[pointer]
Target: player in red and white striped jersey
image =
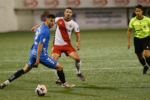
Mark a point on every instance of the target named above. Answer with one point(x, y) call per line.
point(62, 43)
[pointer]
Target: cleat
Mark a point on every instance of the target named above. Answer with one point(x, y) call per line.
point(3, 85)
point(81, 77)
point(67, 85)
point(58, 82)
point(145, 69)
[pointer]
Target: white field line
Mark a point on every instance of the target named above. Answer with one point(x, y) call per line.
point(50, 70)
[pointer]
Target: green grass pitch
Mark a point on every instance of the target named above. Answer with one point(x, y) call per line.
point(112, 71)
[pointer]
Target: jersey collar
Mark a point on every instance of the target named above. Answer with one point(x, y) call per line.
point(140, 19)
point(67, 20)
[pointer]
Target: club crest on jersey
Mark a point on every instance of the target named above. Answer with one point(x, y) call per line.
point(144, 26)
point(60, 23)
point(70, 26)
point(44, 40)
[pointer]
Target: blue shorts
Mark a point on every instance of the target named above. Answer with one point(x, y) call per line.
point(46, 60)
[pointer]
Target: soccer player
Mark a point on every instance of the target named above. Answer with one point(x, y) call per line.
point(62, 43)
point(38, 54)
point(141, 24)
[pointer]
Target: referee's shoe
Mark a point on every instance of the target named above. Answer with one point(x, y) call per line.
point(145, 69)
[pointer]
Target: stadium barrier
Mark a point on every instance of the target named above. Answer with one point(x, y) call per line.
point(92, 14)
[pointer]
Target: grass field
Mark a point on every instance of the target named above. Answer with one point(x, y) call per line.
point(112, 71)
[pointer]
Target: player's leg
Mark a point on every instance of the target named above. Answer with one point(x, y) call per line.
point(142, 61)
point(146, 47)
point(15, 76)
point(51, 63)
point(139, 52)
point(74, 55)
point(55, 56)
point(61, 76)
point(56, 52)
point(146, 55)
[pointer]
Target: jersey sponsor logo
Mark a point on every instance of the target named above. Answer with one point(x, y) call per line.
point(143, 2)
point(121, 2)
point(50, 60)
point(44, 40)
point(30, 3)
point(100, 2)
point(73, 3)
point(51, 3)
point(70, 25)
point(144, 26)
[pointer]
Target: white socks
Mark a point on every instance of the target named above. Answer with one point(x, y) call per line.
point(56, 73)
point(78, 66)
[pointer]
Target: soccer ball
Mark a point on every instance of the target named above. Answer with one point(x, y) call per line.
point(41, 90)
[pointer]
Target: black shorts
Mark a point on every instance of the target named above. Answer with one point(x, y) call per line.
point(141, 44)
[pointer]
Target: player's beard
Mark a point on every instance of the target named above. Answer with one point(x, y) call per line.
point(68, 17)
point(49, 26)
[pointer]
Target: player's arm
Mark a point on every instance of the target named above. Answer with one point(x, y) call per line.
point(78, 41)
point(129, 32)
point(40, 46)
point(78, 38)
point(34, 28)
point(128, 37)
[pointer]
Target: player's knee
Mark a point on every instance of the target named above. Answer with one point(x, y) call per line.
point(139, 57)
point(59, 67)
point(25, 71)
point(54, 57)
point(77, 59)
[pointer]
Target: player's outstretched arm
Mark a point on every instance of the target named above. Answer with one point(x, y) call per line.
point(40, 46)
point(33, 28)
point(128, 37)
point(78, 41)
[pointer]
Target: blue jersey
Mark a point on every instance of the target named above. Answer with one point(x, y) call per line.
point(42, 35)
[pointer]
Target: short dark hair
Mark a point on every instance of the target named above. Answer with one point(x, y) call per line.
point(51, 16)
point(139, 6)
point(69, 8)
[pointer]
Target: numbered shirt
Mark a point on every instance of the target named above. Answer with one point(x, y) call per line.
point(142, 27)
point(64, 30)
point(42, 35)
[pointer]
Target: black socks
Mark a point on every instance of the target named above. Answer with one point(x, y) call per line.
point(148, 61)
point(61, 76)
point(142, 61)
point(16, 75)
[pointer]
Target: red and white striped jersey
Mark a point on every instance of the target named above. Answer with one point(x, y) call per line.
point(64, 30)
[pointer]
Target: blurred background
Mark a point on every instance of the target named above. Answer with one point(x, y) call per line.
point(22, 15)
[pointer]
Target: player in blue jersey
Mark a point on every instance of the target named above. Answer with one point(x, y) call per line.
point(38, 54)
